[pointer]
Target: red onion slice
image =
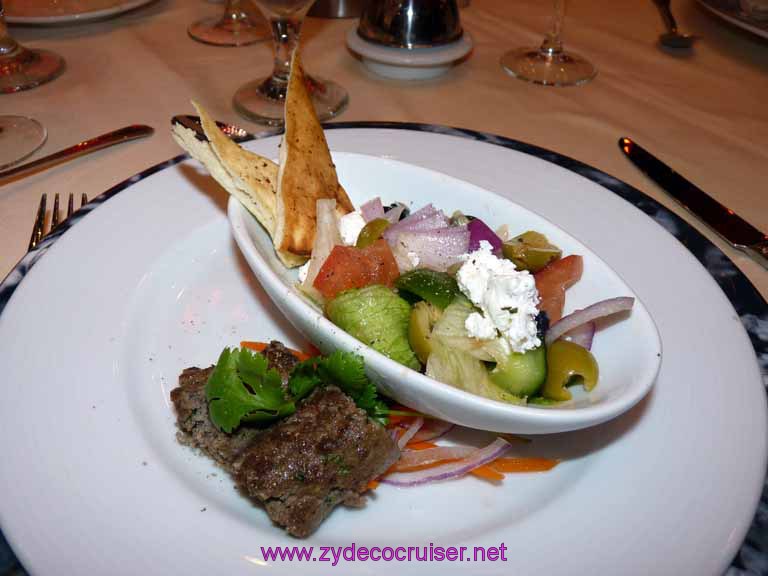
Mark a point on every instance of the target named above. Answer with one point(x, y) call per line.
point(412, 458)
point(437, 249)
point(372, 209)
point(582, 335)
point(494, 450)
point(326, 237)
point(432, 429)
point(414, 222)
point(410, 432)
point(588, 314)
point(434, 222)
point(479, 231)
point(393, 214)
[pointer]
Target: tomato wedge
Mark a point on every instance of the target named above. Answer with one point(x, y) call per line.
point(350, 267)
point(553, 280)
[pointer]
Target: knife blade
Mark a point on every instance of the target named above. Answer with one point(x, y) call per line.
point(125, 134)
point(729, 225)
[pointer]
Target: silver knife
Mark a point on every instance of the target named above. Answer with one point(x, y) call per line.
point(734, 229)
point(131, 132)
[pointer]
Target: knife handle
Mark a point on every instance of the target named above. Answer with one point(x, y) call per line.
point(758, 252)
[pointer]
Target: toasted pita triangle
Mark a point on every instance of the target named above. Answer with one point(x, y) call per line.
point(250, 178)
point(255, 176)
point(306, 172)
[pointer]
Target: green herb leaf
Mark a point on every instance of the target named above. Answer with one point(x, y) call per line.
point(242, 389)
point(342, 369)
point(304, 378)
point(347, 371)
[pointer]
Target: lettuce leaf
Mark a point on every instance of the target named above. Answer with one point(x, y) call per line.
point(378, 317)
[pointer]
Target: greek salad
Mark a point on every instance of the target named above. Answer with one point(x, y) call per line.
point(475, 308)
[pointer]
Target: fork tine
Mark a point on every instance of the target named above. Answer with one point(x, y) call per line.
point(55, 212)
point(70, 204)
point(37, 229)
point(83, 199)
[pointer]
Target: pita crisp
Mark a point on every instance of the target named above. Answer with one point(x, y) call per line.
point(307, 173)
point(251, 178)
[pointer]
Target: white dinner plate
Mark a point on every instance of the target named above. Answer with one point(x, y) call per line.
point(628, 351)
point(732, 11)
point(46, 12)
point(94, 335)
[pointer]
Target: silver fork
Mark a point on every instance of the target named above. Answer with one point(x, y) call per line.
point(38, 230)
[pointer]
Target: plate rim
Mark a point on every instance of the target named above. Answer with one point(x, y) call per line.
point(80, 17)
point(737, 288)
point(735, 18)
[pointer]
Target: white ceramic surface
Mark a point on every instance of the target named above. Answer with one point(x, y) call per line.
point(737, 17)
point(93, 481)
point(628, 352)
point(402, 64)
point(70, 11)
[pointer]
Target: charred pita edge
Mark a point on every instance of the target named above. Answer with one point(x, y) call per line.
point(306, 173)
point(254, 186)
point(254, 175)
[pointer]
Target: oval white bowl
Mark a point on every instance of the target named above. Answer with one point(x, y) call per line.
point(628, 352)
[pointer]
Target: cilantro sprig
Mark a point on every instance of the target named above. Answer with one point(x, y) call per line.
point(242, 388)
point(345, 370)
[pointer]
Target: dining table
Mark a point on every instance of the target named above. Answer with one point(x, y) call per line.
point(702, 111)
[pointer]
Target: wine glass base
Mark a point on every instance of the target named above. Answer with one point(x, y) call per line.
point(548, 68)
point(228, 32)
point(263, 100)
point(20, 137)
point(27, 69)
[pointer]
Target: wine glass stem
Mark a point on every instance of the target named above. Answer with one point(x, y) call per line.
point(234, 12)
point(286, 35)
point(552, 43)
point(8, 45)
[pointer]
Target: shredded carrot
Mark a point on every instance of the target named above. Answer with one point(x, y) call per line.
point(261, 346)
point(397, 468)
point(313, 351)
point(420, 445)
point(506, 465)
point(372, 485)
point(255, 346)
point(397, 419)
point(487, 473)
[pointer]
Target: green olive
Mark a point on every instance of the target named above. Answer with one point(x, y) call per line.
point(371, 232)
point(530, 251)
point(566, 362)
point(423, 318)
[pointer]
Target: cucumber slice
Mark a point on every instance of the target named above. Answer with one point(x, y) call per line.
point(522, 374)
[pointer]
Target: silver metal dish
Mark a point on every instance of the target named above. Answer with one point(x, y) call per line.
point(410, 23)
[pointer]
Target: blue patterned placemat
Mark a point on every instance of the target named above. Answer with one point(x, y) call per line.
point(752, 558)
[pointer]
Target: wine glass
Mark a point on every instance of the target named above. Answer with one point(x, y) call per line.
point(549, 64)
point(22, 68)
point(19, 137)
point(263, 100)
point(239, 25)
